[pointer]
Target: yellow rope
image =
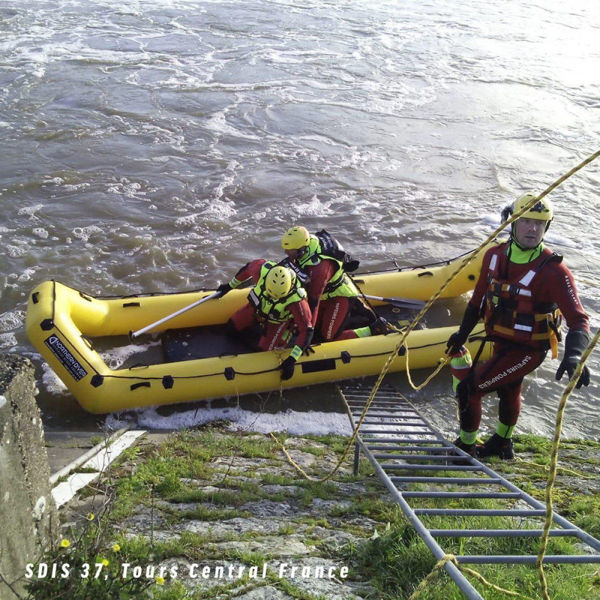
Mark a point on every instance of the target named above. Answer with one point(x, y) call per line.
point(554, 463)
point(559, 468)
point(442, 363)
point(451, 558)
point(464, 264)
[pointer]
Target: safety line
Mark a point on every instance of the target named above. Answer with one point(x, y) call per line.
point(554, 462)
point(397, 446)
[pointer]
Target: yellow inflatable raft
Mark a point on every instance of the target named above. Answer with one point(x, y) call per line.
point(62, 323)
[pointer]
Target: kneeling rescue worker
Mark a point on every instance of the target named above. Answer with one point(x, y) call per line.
point(522, 290)
point(321, 264)
point(277, 302)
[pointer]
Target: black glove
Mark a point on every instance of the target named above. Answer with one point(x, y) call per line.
point(307, 350)
point(455, 342)
point(458, 339)
point(222, 290)
point(576, 342)
point(287, 368)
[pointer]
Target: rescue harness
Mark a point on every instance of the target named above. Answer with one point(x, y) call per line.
point(509, 311)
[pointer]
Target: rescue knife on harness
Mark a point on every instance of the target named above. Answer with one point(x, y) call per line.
point(173, 315)
point(399, 302)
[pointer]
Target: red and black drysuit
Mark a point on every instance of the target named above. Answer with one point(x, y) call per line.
point(330, 315)
point(274, 335)
point(514, 356)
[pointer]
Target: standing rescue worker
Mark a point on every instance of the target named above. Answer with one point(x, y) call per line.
point(321, 264)
point(522, 290)
point(277, 302)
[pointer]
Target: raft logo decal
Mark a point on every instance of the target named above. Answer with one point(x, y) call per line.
point(66, 359)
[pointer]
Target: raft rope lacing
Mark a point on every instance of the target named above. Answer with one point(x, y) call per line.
point(404, 334)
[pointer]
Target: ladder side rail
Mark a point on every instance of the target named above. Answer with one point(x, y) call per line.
point(558, 519)
point(461, 581)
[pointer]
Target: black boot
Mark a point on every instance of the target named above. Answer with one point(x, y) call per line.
point(380, 327)
point(496, 446)
point(468, 448)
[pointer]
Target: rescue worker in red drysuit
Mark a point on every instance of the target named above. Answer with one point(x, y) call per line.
point(520, 288)
point(331, 293)
point(278, 303)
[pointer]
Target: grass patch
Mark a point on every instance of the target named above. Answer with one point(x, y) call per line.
point(392, 559)
point(396, 562)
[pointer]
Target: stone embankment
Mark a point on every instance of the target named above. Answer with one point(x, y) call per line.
point(249, 526)
point(28, 516)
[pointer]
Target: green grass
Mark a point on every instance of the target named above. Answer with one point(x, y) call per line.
point(389, 556)
point(396, 561)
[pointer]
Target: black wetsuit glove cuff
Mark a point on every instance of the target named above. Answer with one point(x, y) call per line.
point(309, 336)
point(576, 342)
point(470, 319)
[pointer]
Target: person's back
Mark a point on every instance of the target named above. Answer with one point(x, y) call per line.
point(332, 296)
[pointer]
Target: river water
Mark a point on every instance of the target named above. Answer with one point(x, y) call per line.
point(158, 145)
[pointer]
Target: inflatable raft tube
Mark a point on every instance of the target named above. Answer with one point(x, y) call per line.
point(62, 322)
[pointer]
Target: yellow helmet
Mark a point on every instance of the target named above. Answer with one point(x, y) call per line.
point(295, 238)
point(541, 211)
point(279, 281)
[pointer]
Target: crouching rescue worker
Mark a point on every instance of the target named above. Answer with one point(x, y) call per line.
point(321, 265)
point(522, 290)
point(277, 303)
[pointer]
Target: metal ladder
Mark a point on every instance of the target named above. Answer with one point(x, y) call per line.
point(394, 433)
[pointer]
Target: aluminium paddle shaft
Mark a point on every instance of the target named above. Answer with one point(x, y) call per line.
point(173, 315)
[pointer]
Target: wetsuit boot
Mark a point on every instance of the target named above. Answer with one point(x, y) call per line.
point(496, 446)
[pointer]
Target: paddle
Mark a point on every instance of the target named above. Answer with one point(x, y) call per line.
point(399, 302)
point(175, 314)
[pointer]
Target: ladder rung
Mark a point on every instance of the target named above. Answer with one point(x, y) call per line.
point(432, 494)
point(435, 440)
point(432, 457)
point(369, 422)
point(404, 448)
point(360, 403)
point(420, 467)
point(481, 512)
point(372, 431)
point(394, 413)
point(502, 532)
point(456, 480)
point(529, 559)
point(386, 408)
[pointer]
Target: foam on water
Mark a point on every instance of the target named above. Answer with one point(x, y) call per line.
point(52, 384)
point(219, 124)
point(11, 320)
point(314, 208)
point(27, 275)
point(84, 233)
point(292, 422)
point(40, 232)
point(30, 211)
point(8, 340)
